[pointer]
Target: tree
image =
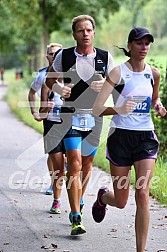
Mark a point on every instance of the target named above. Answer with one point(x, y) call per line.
point(158, 10)
point(56, 13)
point(135, 7)
point(35, 20)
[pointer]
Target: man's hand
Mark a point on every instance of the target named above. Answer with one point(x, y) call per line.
point(51, 105)
point(97, 85)
point(66, 91)
point(37, 117)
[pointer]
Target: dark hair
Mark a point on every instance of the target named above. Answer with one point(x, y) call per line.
point(135, 34)
point(82, 18)
point(125, 51)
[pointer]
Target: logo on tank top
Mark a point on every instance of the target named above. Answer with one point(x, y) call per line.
point(128, 76)
point(99, 61)
point(147, 76)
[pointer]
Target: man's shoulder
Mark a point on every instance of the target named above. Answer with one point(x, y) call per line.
point(40, 75)
point(102, 55)
point(99, 50)
point(68, 53)
point(44, 69)
point(68, 50)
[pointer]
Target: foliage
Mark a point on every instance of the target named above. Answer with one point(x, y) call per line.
point(161, 123)
point(135, 7)
point(31, 22)
point(7, 29)
point(158, 10)
point(26, 26)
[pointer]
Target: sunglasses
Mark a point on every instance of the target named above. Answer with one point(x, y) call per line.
point(50, 54)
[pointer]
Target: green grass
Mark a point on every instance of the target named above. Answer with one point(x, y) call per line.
point(17, 99)
point(17, 94)
point(158, 187)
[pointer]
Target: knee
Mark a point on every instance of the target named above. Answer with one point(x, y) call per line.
point(141, 198)
point(87, 168)
point(87, 164)
point(74, 166)
point(121, 204)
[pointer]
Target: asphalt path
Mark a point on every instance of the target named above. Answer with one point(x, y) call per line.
point(25, 221)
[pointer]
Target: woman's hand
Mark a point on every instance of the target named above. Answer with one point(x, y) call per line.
point(127, 108)
point(161, 110)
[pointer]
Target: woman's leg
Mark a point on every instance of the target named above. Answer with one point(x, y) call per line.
point(121, 180)
point(144, 171)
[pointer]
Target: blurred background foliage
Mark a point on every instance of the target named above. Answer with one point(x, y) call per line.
point(28, 26)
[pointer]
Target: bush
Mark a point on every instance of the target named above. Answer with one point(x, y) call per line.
point(161, 123)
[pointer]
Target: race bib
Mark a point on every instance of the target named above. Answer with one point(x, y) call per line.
point(143, 104)
point(54, 115)
point(83, 121)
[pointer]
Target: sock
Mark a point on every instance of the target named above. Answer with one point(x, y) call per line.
point(76, 214)
point(81, 202)
point(58, 200)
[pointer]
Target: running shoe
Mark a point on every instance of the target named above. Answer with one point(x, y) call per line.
point(77, 226)
point(81, 212)
point(55, 209)
point(49, 191)
point(99, 209)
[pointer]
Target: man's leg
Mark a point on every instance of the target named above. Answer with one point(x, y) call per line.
point(86, 172)
point(74, 189)
point(49, 191)
point(58, 165)
point(88, 153)
point(57, 177)
point(73, 184)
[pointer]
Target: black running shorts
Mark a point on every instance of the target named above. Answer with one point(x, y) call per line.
point(124, 147)
point(52, 143)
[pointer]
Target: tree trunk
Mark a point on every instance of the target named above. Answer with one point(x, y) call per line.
point(44, 43)
point(44, 35)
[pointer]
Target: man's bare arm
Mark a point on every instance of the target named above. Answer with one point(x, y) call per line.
point(51, 78)
point(54, 82)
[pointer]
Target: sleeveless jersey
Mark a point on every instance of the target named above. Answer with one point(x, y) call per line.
point(39, 80)
point(139, 86)
point(82, 96)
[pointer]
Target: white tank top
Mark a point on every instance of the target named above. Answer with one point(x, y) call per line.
point(139, 86)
